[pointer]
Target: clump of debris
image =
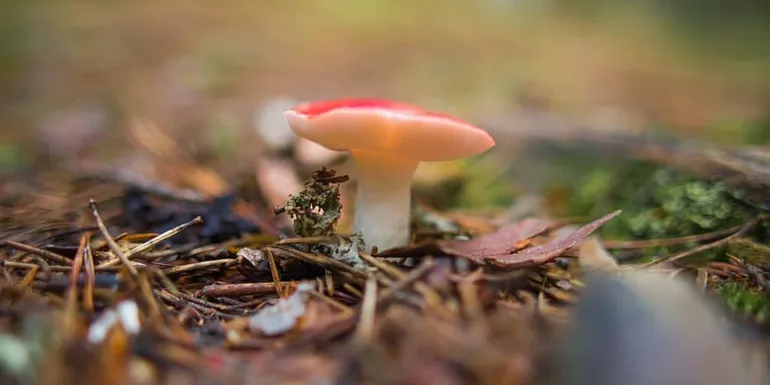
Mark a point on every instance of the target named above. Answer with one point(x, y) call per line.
point(163, 290)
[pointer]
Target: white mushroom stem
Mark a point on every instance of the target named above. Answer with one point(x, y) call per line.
point(383, 200)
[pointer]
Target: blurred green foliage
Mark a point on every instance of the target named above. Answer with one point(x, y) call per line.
point(745, 300)
point(477, 185)
point(657, 202)
point(752, 252)
point(483, 187)
point(660, 202)
point(12, 158)
point(738, 132)
point(14, 27)
point(714, 29)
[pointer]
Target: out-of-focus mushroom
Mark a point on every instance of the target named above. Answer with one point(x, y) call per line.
point(271, 125)
point(277, 179)
point(386, 140)
point(310, 153)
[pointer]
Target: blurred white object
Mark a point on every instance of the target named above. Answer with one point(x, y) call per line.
point(271, 124)
point(644, 328)
point(126, 313)
point(280, 318)
point(69, 134)
point(313, 154)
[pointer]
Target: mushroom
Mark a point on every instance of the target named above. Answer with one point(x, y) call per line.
point(386, 141)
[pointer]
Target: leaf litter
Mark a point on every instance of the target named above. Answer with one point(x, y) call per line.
point(144, 288)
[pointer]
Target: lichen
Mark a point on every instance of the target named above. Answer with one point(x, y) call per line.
point(317, 208)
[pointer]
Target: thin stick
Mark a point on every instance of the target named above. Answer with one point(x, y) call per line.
point(274, 272)
point(469, 297)
point(329, 281)
point(170, 298)
point(29, 278)
point(365, 328)
point(202, 302)
point(26, 266)
point(304, 241)
point(154, 241)
point(383, 266)
point(70, 303)
point(243, 289)
point(111, 242)
point(671, 258)
point(350, 288)
point(331, 301)
point(166, 281)
point(407, 280)
point(88, 289)
point(198, 265)
point(154, 308)
point(625, 245)
point(39, 252)
point(77, 265)
point(330, 263)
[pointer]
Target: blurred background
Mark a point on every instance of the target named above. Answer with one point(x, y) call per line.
point(75, 76)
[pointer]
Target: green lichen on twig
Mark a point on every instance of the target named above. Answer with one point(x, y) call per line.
point(316, 209)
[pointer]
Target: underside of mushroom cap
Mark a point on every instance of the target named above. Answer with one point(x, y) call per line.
point(386, 126)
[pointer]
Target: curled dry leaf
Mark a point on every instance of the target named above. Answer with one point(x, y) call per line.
point(507, 239)
point(508, 246)
point(544, 253)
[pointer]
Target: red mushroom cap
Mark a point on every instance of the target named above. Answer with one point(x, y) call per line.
point(387, 126)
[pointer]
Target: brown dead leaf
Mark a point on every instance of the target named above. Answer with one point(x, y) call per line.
point(544, 253)
point(507, 239)
point(510, 246)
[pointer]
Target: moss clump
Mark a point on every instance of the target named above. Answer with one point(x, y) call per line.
point(745, 301)
point(748, 250)
point(659, 202)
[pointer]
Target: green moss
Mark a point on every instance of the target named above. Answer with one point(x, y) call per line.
point(482, 192)
point(748, 250)
point(740, 132)
point(745, 301)
point(483, 186)
point(12, 158)
point(658, 202)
